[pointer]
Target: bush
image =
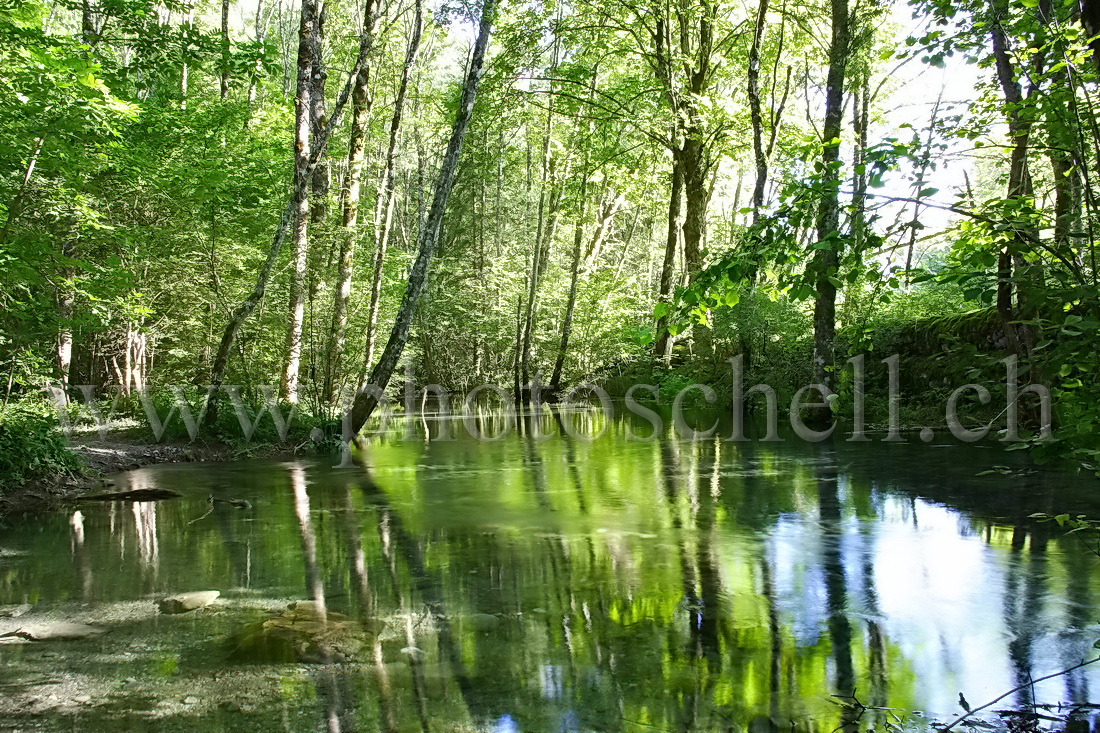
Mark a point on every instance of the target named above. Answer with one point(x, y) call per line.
point(31, 447)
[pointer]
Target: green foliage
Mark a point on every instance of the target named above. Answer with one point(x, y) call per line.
point(31, 447)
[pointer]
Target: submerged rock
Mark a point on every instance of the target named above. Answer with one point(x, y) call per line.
point(184, 602)
point(303, 634)
point(483, 623)
point(54, 631)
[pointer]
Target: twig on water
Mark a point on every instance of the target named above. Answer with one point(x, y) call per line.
point(1029, 683)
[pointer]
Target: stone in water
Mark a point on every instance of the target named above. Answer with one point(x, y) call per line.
point(184, 602)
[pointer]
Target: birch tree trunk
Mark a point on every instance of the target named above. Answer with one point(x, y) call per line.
point(383, 211)
point(307, 43)
point(828, 211)
point(366, 402)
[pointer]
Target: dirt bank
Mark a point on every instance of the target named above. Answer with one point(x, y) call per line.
point(101, 458)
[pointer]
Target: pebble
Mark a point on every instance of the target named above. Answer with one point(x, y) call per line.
point(190, 700)
point(82, 698)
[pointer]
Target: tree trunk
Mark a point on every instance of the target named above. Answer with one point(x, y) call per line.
point(826, 260)
point(1019, 177)
point(244, 310)
point(365, 402)
point(224, 86)
point(695, 168)
point(64, 314)
point(663, 346)
point(303, 107)
point(361, 103)
point(574, 276)
point(319, 184)
point(754, 111)
point(383, 210)
point(257, 71)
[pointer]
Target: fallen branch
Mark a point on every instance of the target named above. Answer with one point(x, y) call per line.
point(1029, 683)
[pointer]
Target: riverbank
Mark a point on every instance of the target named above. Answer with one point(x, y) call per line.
point(100, 459)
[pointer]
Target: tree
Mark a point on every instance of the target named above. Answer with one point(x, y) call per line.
point(366, 401)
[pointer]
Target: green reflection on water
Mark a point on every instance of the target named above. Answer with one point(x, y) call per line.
point(558, 584)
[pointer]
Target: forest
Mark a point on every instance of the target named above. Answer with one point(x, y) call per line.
point(311, 199)
point(247, 233)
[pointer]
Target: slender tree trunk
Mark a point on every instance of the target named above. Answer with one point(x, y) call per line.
point(293, 206)
point(366, 402)
point(224, 86)
point(663, 346)
point(754, 110)
point(1019, 177)
point(361, 103)
point(826, 260)
point(16, 207)
point(319, 184)
point(574, 276)
point(258, 70)
point(383, 210)
point(922, 170)
point(65, 301)
point(307, 44)
point(610, 206)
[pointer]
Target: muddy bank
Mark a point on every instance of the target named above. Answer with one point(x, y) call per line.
point(101, 458)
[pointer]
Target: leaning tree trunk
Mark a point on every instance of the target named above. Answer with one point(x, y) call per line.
point(307, 46)
point(293, 206)
point(827, 259)
point(574, 277)
point(365, 402)
point(383, 211)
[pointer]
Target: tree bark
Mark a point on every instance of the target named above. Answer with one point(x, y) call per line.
point(754, 110)
point(826, 260)
point(366, 402)
point(1019, 176)
point(383, 210)
point(663, 346)
point(307, 43)
point(244, 310)
point(361, 104)
point(224, 85)
point(319, 184)
point(574, 277)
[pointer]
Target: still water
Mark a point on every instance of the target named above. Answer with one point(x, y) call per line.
point(558, 584)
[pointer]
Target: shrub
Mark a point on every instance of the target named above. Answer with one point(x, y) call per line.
point(31, 447)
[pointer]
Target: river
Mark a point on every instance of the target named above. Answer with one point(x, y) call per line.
point(559, 584)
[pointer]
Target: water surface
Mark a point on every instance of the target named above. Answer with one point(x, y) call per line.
point(557, 584)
